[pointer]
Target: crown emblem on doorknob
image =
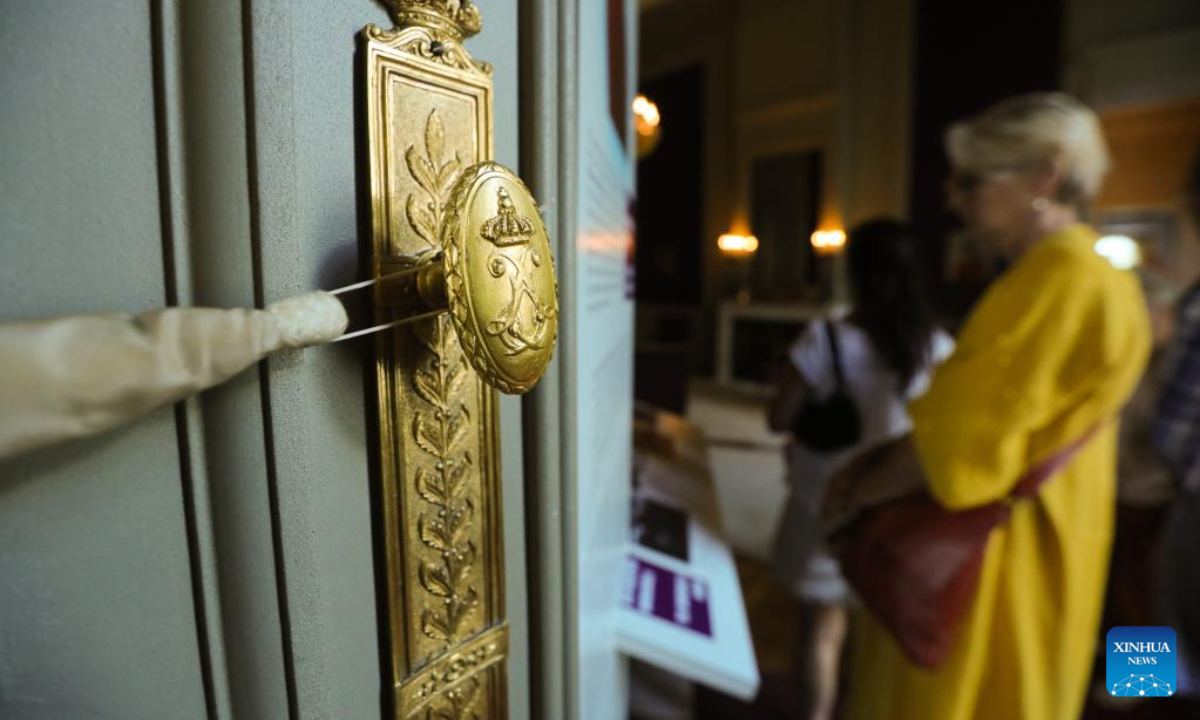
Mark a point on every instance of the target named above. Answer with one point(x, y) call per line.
point(507, 228)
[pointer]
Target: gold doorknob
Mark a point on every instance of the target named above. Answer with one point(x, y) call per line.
point(495, 275)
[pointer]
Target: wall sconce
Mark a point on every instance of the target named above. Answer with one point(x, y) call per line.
point(647, 122)
point(739, 246)
point(828, 242)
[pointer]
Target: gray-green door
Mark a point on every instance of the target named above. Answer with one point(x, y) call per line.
point(216, 559)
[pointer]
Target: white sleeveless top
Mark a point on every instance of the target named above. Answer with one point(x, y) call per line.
point(873, 385)
point(882, 408)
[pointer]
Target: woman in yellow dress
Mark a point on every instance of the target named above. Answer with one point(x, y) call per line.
point(1051, 352)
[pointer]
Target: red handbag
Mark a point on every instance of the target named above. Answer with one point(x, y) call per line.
point(915, 565)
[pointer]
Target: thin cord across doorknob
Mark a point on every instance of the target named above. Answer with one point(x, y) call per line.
point(390, 276)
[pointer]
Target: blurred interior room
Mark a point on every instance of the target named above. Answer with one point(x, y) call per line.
point(769, 127)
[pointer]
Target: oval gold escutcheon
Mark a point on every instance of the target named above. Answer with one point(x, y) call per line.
point(500, 279)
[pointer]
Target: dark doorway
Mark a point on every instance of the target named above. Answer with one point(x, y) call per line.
point(670, 201)
point(969, 56)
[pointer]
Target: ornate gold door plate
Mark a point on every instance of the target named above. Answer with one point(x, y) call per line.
point(472, 236)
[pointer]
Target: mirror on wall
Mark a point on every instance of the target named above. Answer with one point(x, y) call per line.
point(785, 198)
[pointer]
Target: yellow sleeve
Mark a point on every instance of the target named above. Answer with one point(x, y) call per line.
point(1037, 346)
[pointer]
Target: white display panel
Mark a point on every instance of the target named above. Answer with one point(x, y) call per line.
point(689, 616)
point(603, 345)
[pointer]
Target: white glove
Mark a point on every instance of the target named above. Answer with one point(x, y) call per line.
point(76, 376)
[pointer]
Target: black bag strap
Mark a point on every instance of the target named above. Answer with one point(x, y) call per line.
point(831, 334)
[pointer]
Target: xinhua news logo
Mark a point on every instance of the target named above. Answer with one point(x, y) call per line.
point(1141, 662)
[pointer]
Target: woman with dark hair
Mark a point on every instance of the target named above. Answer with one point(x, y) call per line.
point(890, 302)
point(879, 357)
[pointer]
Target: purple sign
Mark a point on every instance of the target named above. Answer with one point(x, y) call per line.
point(654, 590)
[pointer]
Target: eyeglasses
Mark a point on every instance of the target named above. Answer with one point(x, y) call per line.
point(966, 182)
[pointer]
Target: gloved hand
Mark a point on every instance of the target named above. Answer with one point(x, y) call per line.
point(71, 377)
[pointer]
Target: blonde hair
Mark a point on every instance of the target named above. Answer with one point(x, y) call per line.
point(1036, 130)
